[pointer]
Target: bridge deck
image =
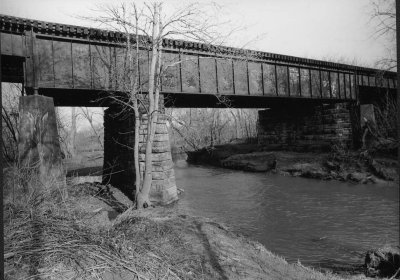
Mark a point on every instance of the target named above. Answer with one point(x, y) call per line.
point(78, 63)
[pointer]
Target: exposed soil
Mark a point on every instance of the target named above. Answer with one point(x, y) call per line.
point(350, 166)
point(91, 235)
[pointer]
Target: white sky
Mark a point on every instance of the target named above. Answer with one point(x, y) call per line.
point(319, 29)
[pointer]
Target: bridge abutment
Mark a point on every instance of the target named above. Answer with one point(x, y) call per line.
point(306, 128)
point(119, 160)
point(38, 143)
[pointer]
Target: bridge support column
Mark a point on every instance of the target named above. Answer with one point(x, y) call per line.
point(305, 128)
point(38, 143)
point(118, 154)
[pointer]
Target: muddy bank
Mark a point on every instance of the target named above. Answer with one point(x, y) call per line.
point(349, 166)
point(91, 235)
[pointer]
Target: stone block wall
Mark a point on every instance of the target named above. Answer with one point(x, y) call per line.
point(163, 188)
point(305, 128)
point(118, 154)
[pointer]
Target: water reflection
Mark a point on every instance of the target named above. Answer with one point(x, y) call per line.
point(320, 223)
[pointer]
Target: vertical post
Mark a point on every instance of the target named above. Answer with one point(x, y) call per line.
point(288, 79)
point(52, 55)
point(233, 77)
point(320, 82)
point(248, 76)
point(90, 64)
point(216, 72)
point(262, 78)
point(330, 84)
point(276, 80)
point(34, 64)
point(180, 69)
point(72, 65)
point(356, 87)
point(298, 69)
point(198, 70)
point(352, 90)
point(310, 82)
point(110, 68)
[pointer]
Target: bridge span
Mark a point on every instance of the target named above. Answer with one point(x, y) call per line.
point(311, 104)
point(75, 64)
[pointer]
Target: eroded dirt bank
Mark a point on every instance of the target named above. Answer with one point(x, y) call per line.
point(345, 166)
point(87, 235)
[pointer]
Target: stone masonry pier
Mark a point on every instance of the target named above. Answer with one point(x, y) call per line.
point(305, 128)
point(118, 154)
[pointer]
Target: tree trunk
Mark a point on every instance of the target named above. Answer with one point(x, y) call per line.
point(236, 124)
point(73, 132)
point(143, 200)
point(136, 111)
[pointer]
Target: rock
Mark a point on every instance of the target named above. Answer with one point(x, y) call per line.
point(331, 165)
point(255, 162)
point(334, 174)
point(205, 155)
point(284, 173)
point(380, 170)
point(357, 177)
point(297, 173)
point(368, 179)
point(383, 262)
point(214, 155)
point(308, 170)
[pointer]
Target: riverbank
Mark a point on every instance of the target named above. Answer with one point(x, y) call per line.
point(344, 166)
point(86, 232)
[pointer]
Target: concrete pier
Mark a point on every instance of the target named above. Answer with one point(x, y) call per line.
point(38, 145)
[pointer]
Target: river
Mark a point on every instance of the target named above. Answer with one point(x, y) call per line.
point(324, 224)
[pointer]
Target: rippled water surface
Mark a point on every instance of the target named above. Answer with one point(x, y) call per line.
point(320, 223)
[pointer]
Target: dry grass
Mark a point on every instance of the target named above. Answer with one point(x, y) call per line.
point(46, 237)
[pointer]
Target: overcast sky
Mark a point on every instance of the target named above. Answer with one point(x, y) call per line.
point(321, 29)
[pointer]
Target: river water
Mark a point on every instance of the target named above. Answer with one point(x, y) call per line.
point(324, 224)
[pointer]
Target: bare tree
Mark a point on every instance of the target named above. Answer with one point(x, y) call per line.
point(89, 115)
point(146, 28)
point(384, 17)
point(63, 134)
point(72, 135)
point(207, 127)
point(10, 118)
